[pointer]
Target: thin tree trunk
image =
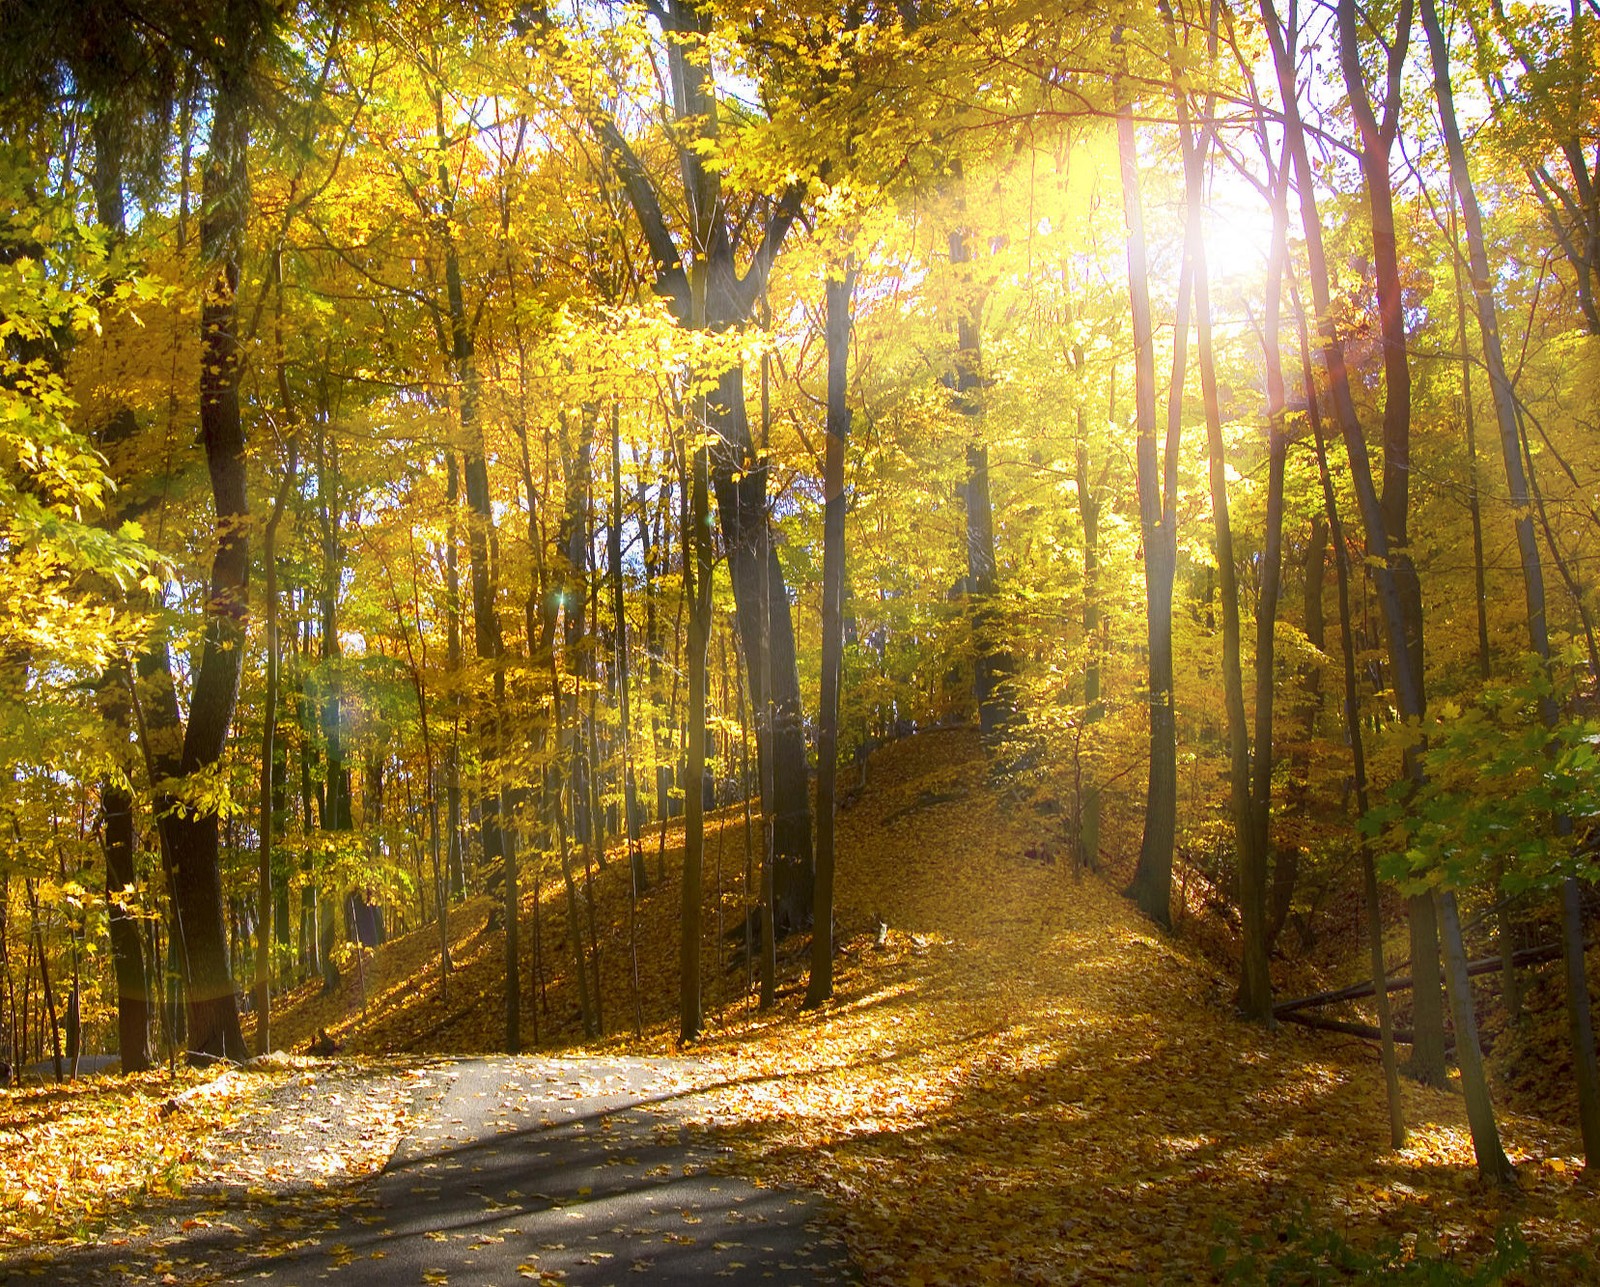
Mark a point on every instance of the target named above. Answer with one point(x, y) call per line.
point(1087, 793)
point(1255, 983)
point(1401, 622)
point(553, 793)
point(838, 291)
point(991, 664)
point(1352, 723)
point(1469, 415)
point(697, 571)
point(268, 802)
point(630, 793)
point(47, 993)
point(1152, 881)
point(482, 558)
point(116, 794)
point(737, 472)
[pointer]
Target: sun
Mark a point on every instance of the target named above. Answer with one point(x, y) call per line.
point(1238, 231)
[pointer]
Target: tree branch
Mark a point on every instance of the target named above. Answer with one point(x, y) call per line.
point(754, 280)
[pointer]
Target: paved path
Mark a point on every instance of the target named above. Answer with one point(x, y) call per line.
point(576, 1171)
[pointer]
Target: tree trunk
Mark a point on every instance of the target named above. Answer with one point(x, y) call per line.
point(1580, 1022)
point(1255, 983)
point(1152, 880)
point(1088, 792)
point(1401, 622)
point(337, 811)
point(482, 559)
point(737, 474)
point(116, 796)
point(619, 617)
point(761, 600)
point(127, 952)
point(697, 571)
point(838, 291)
point(991, 663)
point(212, 1010)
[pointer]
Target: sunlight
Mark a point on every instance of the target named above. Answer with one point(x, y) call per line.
point(1238, 233)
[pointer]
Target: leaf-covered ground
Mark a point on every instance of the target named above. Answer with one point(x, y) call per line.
point(1034, 1085)
point(1024, 1082)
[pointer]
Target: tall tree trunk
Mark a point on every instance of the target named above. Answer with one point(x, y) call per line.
point(1373, 155)
point(558, 822)
point(1352, 723)
point(482, 558)
point(991, 663)
point(650, 552)
point(1152, 880)
point(268, 802)
point(1580, 1023)
point(212, 1009)
point(697, 571)
point(1087, 792)
point(1470, 418)
point(1377, 140)
point(838, 290)
point(1255, 984)
point(1271, 571)
point(737, 472)
point(1402, 639)
point(455, 858)
point(619, 617)
point(337, 809)
point(761, 600)
point(116, 793)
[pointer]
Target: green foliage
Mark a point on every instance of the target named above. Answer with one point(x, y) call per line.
point(53, 485)
point(1299, 1250)
point(1500, 785)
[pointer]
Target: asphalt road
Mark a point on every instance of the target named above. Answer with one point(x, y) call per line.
point(573, 1171)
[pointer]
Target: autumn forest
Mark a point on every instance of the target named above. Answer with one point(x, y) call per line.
point(663, 527)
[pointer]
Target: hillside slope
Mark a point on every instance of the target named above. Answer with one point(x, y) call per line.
point(1027, 1082)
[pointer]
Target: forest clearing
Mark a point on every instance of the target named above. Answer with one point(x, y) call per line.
point(962, 631)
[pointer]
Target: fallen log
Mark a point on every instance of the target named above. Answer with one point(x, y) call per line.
point(1524, 956)
point(1402, 1036)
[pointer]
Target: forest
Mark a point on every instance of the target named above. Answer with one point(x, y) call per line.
point(517, 488)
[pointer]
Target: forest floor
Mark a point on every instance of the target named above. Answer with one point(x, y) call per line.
point(1024, 1082)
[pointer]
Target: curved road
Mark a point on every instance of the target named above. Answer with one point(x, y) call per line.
point(575, 1171)
point(518, 1169)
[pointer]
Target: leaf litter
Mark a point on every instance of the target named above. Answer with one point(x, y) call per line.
point(1019, 1080)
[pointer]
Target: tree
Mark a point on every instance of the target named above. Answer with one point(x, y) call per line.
point(737, 473)
point(1581, 1025)
point(838, 290)
point(1158, 521)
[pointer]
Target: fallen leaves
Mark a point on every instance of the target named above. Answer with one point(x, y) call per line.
point(1018, 1082)
point(71, 1154)
point(1049, 1091)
